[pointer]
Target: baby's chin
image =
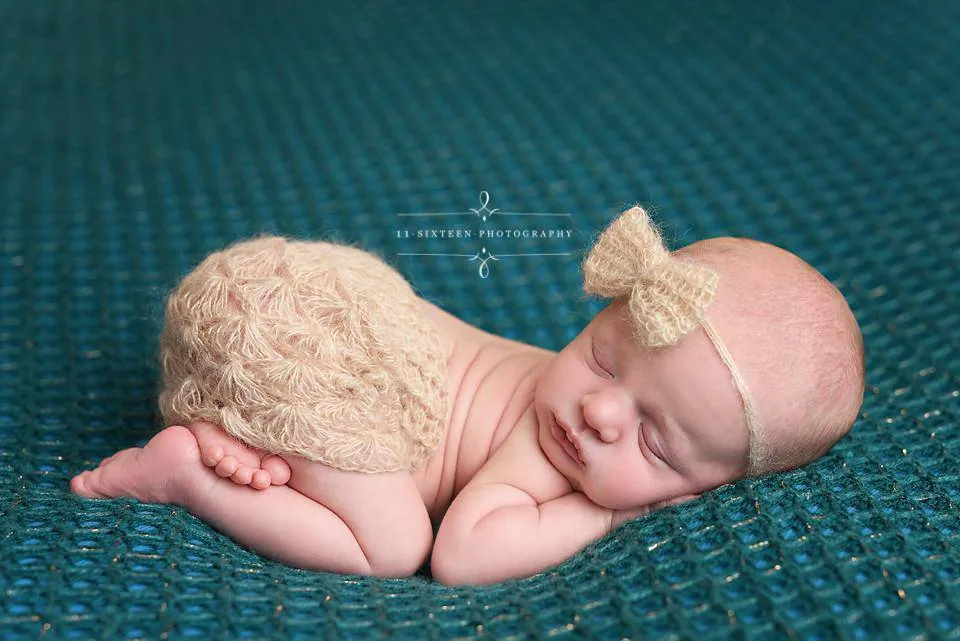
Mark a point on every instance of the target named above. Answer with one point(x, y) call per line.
point(608, 502)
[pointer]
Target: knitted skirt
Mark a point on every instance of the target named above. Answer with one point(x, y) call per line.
point(306, 347)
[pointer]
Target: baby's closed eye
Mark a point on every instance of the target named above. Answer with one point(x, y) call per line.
point(647, 442)
point(599, 361)
point(650, 439)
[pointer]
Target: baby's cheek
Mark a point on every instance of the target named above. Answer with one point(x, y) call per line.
point(543, 391)
point(560, 373)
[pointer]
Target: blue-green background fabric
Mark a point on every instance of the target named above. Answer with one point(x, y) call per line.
point(138, 136)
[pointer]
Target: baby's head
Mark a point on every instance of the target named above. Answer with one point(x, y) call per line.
point(728, 358)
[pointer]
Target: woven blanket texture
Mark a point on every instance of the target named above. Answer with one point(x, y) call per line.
point(136, 137)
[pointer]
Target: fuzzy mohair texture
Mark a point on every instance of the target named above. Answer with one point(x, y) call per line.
point(310, 348)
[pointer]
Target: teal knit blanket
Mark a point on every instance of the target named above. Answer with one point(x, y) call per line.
point(137, 136)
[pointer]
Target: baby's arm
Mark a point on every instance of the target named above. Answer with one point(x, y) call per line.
point(516, 517)
point(502, 533)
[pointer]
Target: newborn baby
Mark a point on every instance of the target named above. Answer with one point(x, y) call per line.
point(726, 359)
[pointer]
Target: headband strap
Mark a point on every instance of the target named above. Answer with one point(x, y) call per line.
point(758, 446)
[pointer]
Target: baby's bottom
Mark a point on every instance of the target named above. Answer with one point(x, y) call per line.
point(323, 519)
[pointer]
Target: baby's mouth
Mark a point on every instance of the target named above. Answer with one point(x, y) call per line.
point(570, 446)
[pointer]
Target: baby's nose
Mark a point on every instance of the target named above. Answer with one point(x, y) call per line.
point(605, 415)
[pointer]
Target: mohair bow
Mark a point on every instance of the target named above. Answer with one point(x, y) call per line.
point(668, 298)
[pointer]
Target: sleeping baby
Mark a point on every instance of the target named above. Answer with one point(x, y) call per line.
point(425, 437)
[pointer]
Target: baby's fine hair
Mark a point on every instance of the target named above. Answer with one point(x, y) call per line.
point(828, 336)
point(804, 339)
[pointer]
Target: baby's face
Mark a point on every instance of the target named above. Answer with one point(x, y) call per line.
point(644, 425)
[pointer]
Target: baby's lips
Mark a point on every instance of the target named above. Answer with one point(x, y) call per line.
point(572, 438)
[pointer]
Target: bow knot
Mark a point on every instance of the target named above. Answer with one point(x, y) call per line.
point(668, 298)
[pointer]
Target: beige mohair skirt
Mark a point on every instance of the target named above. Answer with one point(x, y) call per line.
point(306, 347)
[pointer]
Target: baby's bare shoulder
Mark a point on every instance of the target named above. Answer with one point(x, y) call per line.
point(458, 335)
point(494, 385)
point(453, 331)
point(491, 384)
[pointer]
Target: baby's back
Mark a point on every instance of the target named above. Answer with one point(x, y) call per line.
point(491, 385)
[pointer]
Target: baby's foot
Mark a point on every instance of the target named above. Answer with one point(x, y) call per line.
point(163, 471)
point(231, 459)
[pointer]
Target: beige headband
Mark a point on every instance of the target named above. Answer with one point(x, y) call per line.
point(667, 299)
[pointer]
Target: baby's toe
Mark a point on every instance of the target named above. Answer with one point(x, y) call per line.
point(107, 460)
point(278, 469)
point(78, 484)
point(212, 455)
point(227, 466)
point(243, 475)
point(261, 480)
point(86, 484)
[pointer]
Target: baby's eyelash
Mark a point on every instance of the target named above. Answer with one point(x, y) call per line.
point(593, 352)
point(644, 442)
point(647, 441)
point(653, 452)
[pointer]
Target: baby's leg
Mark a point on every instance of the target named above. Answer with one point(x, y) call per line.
point(234, 460)
point(278, 522)
point(384, 511)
